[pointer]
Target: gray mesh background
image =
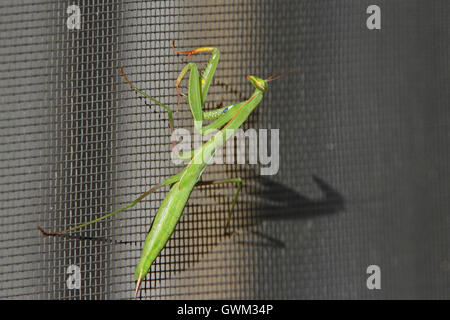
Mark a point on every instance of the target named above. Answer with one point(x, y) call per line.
point(364, 127)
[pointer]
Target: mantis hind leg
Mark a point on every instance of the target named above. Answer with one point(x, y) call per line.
point(267, 240)
point(239, 188)
point(169, 181)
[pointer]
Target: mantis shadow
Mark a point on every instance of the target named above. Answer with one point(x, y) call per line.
point(278, 202)
point(281, 203)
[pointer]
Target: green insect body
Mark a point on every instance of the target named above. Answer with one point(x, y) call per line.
point(226, 119)
point(172, 207)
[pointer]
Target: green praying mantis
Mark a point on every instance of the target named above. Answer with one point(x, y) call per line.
point(226, 121)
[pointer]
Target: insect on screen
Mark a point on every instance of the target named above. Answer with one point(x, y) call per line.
point(349, 173)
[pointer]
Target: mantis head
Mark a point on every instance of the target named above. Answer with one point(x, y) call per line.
point(261, 84)
point(258, 83)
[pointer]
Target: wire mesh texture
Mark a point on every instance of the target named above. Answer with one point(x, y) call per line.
point(363, 176)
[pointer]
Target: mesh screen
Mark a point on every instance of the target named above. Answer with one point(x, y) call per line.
point(364, 143)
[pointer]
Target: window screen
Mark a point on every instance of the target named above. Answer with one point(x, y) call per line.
point(363, 177)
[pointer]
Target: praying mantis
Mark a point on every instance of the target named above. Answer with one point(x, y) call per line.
point(226, 121)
